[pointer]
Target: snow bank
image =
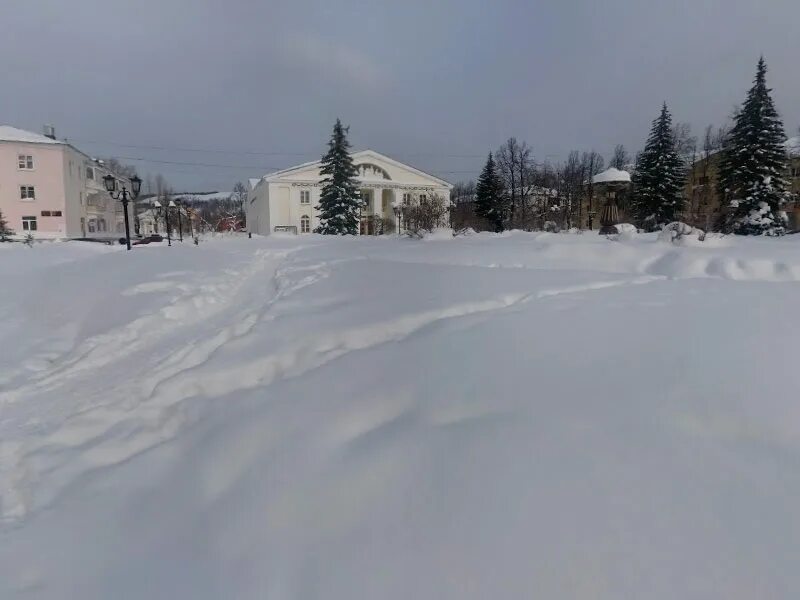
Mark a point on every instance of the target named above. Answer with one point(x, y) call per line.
point(440, 234)
point(510, 415)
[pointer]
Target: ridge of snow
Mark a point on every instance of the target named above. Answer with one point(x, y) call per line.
point(551, 415)
point(205, 197)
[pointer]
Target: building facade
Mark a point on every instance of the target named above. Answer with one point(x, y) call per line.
point(287, 200)
point(702, 206)
point(51, 190)
point(182, 222)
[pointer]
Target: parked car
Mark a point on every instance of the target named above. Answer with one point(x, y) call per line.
point(149, 239)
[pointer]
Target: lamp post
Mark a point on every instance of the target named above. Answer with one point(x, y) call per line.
point(190, 218)
point(180, 225)
point(125, 196)
point(163, 211)
point(397, 211)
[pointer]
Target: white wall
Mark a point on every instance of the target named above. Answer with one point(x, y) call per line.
point(277, 202)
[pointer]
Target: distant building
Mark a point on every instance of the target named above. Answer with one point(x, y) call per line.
point(50, 189)
point(702, 206)
point(286, 200)
point(152, 222)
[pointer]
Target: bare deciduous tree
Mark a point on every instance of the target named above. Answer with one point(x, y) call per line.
point(119, 169)
point(515, 163)
point(424, 216)
point(570, 189)
point(239, 198)
point(620, 159)
point(591, 164)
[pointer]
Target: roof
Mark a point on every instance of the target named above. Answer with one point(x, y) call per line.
point(357, 156)
point(12, 134)
point(612, 175)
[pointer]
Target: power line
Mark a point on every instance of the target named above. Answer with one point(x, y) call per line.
point(196, 164)
point(247, 167)
point(258, 153)
point(179, 149)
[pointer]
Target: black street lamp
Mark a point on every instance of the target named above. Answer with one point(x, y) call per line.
point(163, 211)
point(180, 225)
point(125, 196)
point(397, 212)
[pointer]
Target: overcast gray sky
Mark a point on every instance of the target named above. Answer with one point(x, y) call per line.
point(258, 84)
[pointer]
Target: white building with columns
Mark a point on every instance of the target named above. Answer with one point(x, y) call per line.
point(287, 200)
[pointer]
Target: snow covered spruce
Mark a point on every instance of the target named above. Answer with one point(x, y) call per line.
point(339, 202)
point(754, 164)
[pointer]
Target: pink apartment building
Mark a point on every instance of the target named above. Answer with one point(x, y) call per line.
point(52, 190)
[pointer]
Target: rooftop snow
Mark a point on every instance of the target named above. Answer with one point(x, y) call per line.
point(612, 175)
point(203, 197)
point(12, 134)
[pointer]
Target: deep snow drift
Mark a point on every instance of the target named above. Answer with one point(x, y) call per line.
point(514, 416)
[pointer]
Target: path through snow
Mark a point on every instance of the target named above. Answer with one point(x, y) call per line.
point(498, 416)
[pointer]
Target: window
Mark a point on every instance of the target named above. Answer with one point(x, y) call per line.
point(406, 199)
point(25, 162)
point(26, 192)
point(92, 225)
point(795, 171)
point(51, 213)
point(45, 213)
point(56, 213)
point(423, 198)
point(101, 225)
point(28, 223)
point(305, 224)
point(305, 197)
point(89, 173)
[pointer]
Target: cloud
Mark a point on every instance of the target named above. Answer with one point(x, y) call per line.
point(325, 56)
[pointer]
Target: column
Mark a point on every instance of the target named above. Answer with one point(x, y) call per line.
point(377, 202)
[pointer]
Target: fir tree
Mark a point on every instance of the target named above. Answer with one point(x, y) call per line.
point(490, 196)
point(339, 201)
point(659, 176)
point(753, 164)
point(5, 231)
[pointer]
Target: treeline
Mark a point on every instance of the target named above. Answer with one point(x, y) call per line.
point(515, 191)
point(224, 213)
point(737, 174)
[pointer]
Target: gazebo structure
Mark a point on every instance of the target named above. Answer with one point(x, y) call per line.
point(609, 183)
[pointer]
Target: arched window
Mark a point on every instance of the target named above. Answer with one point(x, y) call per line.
point(101, 225)
point(305, 224)
point(92, 226)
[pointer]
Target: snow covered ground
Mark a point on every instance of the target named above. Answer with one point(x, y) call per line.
point(514, 416)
